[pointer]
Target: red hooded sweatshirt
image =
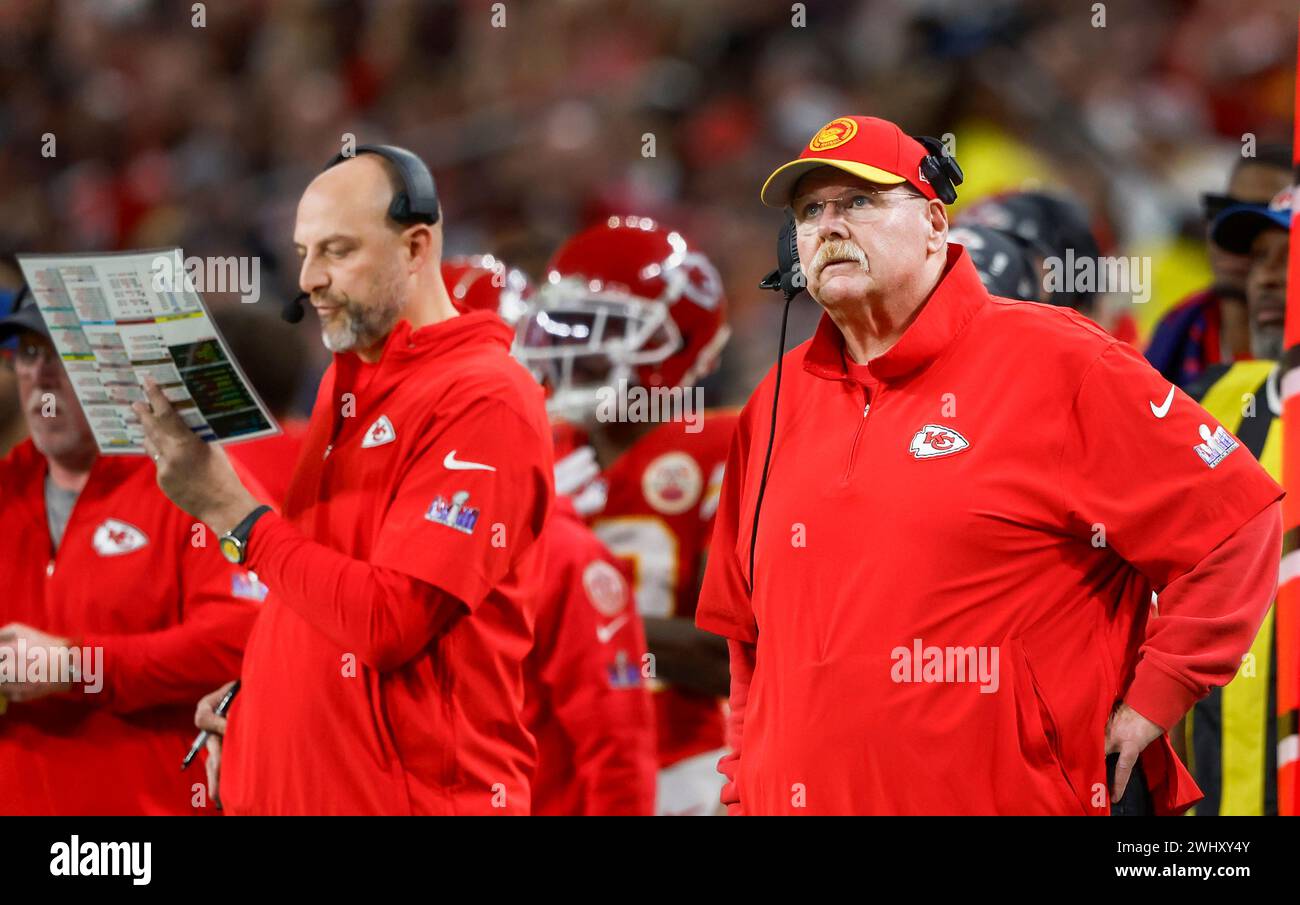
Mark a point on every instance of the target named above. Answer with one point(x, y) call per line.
point(385, 675)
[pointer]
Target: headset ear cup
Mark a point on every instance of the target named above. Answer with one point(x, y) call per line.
point(793, 282)
point(934, 174)
point(931, 172)
point(417, 202)
point(943, 188)
point(941, 169)
point(955, 175)
point(792, 278)
point(400, 209)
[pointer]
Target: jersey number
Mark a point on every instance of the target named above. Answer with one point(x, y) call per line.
point(652, 549)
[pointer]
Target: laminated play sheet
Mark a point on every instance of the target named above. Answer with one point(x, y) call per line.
point(117, 318)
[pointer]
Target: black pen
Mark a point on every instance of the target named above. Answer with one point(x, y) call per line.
point(222, 706)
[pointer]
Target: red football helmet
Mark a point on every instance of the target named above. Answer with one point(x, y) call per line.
point(485, 283)
point(624, 300)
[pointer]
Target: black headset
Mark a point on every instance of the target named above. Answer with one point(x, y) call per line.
point(940, 169)
point(415, 202)
point(788, 276)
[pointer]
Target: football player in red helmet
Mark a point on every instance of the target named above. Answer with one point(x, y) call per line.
point(486, 283)
point(585, 700)
point(630, 306)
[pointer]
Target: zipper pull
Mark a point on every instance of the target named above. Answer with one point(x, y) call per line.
point(329, 449)
point(866, 408)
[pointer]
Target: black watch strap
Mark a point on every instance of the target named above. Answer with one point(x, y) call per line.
point(234, 543)
point(241, 530)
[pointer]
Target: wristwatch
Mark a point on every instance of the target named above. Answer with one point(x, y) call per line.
point(234, 543)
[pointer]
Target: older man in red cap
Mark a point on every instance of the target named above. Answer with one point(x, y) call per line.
point(936, 571)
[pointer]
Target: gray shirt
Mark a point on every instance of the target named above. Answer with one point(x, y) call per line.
point(58, 507)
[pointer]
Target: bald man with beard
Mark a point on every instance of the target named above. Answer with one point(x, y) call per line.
point(384, 675)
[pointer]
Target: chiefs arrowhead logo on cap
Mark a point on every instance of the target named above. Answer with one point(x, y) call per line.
point(867, 147)
point(115, 537)
point(1282, 201)
point(833, 134)
point(936, 440)
point(379, 433)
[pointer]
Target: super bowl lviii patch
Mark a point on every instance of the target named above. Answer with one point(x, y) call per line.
point(1214, 447)
point(246, 586)
point(453, 513)
point(623, 673)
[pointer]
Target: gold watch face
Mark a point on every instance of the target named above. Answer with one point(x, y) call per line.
point(231, 549)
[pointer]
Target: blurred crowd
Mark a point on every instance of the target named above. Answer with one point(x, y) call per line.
point(131, 124)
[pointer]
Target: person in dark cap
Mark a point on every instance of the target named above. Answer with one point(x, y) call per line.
point(1209, 326)
point(1238, 230)
point(12, 426)
point(1237, 756)
point(113, 586)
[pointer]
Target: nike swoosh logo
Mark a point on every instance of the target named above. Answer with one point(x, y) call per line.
point(1163, 409)
point(451, 463)
point(606, 632)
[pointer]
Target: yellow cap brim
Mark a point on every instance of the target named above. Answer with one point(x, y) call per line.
point(776, 191)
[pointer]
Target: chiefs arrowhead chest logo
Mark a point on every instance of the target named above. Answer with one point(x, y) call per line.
point(379, 433)
point(115, 537)
point(936, 440)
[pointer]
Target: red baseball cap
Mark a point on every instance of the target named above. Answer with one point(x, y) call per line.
point(864, 146)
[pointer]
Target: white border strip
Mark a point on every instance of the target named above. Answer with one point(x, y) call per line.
point(1289, 570)
point(1291, 383)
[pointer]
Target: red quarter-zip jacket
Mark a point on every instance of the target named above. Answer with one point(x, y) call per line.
point(385, 677)
point(955, 563)
point(139, 579)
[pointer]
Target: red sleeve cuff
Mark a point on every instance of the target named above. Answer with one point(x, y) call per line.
point(717, 624)
point(1159, 696)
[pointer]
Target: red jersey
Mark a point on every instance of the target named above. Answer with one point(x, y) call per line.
point(430, 470)
point(136, 577)
point(586, 701)
point(658, 515)
point(955, 561)
point(271, 460)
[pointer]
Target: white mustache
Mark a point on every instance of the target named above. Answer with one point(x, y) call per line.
point(834, 250)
